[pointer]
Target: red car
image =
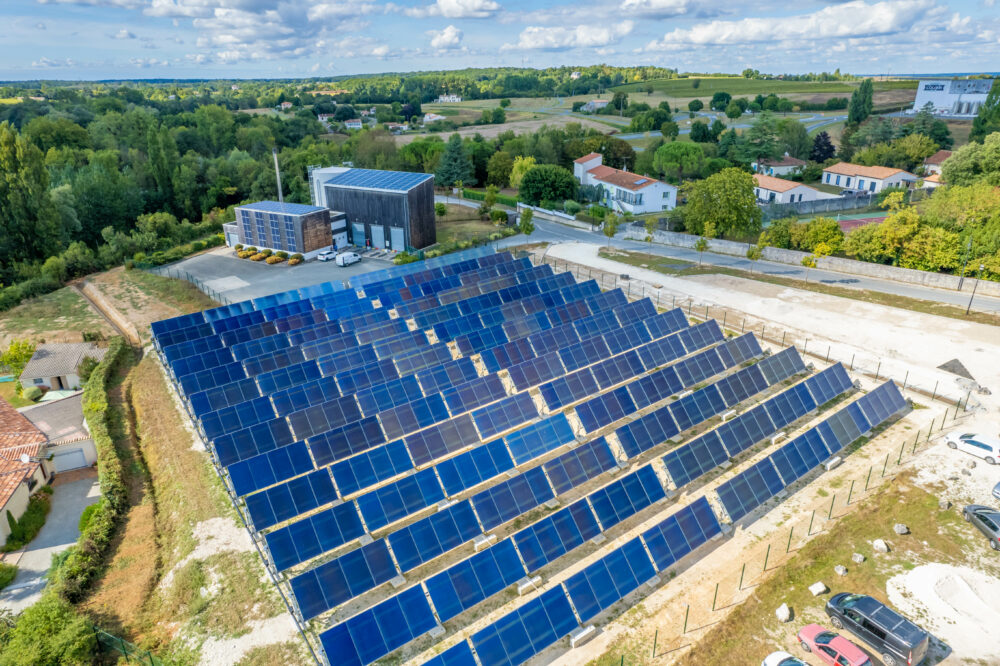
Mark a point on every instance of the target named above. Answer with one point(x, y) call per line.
point(831, 648)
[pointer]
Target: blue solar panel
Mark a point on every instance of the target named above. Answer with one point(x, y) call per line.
point(437, 441)
point(625, 497)
point(504, 415)
point(507, 355)
point(605, 409)
point(248, 442)
point(654, 387)
point(397, 500)
point(269, 468)
point(371, 467)
point(665, 323)
point(610, 579)
point(377, 179)
point(412, 416)
point(745, 492)
point(462, 586)
point(287, 208)
point(509, 499)
point(339, 580)
point(415, 361)
point(459, 654)
point(556, 534)
point(566, 390)
point(647, 431)
point(287, 500)
point(324, 417)
point(537, 370)
point(681, 533)
point(474, 466)
point(376, 632)
point(390, 394)
point(526, 631)
point(355, 379)
point(617, 369)
point(438, 533)
point(584, 353)
point(782, 365)
point(539, 438)
point(446, 375)
point(474, 393)
point(235, 417)
point(345, 441)
point(284, 378)
point(314, 535)
point(579, 465)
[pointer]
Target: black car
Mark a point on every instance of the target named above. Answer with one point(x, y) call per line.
point(895, 638)
point(986, 520)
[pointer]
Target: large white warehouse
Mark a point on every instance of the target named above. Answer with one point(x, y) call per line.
point(952, 97)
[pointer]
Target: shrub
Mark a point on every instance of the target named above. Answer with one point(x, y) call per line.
point(49, 633)
point(498, 216)
point(267, 252)
point(24, 529)
point(88, 512)
point(404, 257)
point(294, 261)
point(32, 393)
point(238, 247)
point(572, 207)
point(251, 249)
point(260, 256)
point(274, 259)
point(440, 209)
point(549, 205)
point(197, 246)
point(7, 573)
point(298, 256)
point(282, 254)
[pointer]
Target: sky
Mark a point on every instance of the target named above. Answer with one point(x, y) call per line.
point(124, 39)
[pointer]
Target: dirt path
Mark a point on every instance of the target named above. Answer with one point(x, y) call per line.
point(108, 311)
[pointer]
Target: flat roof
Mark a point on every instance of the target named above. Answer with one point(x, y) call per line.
point(277, 207)
point(375, 179)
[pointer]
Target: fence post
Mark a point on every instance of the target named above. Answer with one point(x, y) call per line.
point(899, 460)
point(934, 394)
point(886, 463)
point(878, 369)
point(788, 546)
point(869, 478)
point(742, 571)
point(850, 492)
point(830, 514)
point(715, 596)
point(905, 379)
point(656, 635)
point(811, 518)
point(767, 555)
point(783, 334)
point(725, 315)
point(686, 613)
point(743, 328)
point(828, 347)
point(762, 336)
point(690, 303)
point(852, 362)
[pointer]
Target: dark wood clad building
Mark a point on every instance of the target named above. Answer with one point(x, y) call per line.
point(390, 209)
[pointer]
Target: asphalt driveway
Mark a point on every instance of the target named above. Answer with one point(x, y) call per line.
point(60, 531)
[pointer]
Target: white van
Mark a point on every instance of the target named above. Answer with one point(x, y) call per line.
point(348, 258)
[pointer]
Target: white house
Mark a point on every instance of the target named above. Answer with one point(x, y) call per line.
point(622, 191)
point(54, 365)
point(933, 163)
point(866, 178)
point(783, 166)
point(574, 75)
point(449, 99)
point(432, 117)
point(61, 421)
point(286, 105)
point(354, 123)
point(595, 104)
point(932, 181)
point(952, 97)
point(769, 189)
point(23, 469)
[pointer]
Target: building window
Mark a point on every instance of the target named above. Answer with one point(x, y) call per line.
point(828, 178)
point(838, 180)
point(871, 186)
point(771, 197)
point(861, 183)
point(848, 181)
point(38, 381)
point(666, 194)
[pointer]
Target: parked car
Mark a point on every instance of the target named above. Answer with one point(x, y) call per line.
point(782, 659)
point(831, 647)
point(996, 492)
point(986, 520)
point(348, 258)
point(326, 255)
point(897, 640)
point(982, 446)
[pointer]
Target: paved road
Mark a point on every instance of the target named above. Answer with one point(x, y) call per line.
point(553, 232)
point(61, 530)
point(239, 279)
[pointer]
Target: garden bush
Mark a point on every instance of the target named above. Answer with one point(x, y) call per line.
point(238, 247)
point(32, 393)
point(267, 252)
point(49, 633)
point(498, 216)
point(88, 512)
point(7, 573)
point(572, 207)
point(282, 254)
point(404, 258)
point(25, 528)
point(294, 261)
point(260, 256)
point(274, 259)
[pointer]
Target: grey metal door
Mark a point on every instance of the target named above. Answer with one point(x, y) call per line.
point(396, 236)
point(67, 460)
point(358, 234)
point(378, 236)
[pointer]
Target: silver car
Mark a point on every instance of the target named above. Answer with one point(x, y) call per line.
point(986, 520)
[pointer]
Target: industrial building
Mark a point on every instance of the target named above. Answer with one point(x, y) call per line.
point(384, 209)
point(960, 98)
point(294, 228)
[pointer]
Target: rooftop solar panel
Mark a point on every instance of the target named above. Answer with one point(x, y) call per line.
point(377, 179)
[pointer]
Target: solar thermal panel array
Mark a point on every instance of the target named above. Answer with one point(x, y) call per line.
point(341, 411)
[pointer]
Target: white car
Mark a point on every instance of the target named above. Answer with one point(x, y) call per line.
point(979, 445)
point(782, 659)
point(348, 258)
point(326, 255)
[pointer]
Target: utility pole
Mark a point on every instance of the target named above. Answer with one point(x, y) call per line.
point(277, 173)
point(968, 247)
point(979, 277)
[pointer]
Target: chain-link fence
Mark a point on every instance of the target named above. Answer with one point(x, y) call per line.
point(180, 274)
point(133, 654)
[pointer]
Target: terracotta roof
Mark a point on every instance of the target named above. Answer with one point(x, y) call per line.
point(776, 184)
point(16, 429)
point(938, 157)
point(786, 160)
point(933, 178)
point(18, 436)
point(876, 172)
point(587, 158)
point(623, 179)
point(58, 359)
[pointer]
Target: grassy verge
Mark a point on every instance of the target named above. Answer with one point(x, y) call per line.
point(27, 527)
point(57, 317)
point(16, 401)
point(7, 574)
point(681, 268)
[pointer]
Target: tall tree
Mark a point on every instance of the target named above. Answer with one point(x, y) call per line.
point(760, 142)
point(522, 165)
point(988, 119)
point(794, 138)
point(455, 166)
point(822, 148)
point(679, 159)
point(498, 168)
point(30, 225)
point(724, 203)
point(547, 182)
point(860, 106)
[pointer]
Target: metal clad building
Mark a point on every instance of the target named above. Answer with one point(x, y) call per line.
point(952, 97)
point(283, 226)
point(391, 209)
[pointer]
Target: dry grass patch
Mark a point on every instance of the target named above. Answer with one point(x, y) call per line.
point(276, 654)
point(61, 316)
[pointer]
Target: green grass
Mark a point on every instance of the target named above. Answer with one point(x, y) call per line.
point(7, 574)
point(61, 312)
point(31, 522)
point(738, 86)
point(462, 224)
point(681, 268)
point(8, 394)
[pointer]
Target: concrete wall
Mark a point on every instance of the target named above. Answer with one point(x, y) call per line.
point(17, 503)
point(849, 266)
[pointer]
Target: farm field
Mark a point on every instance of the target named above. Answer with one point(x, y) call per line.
point(739, 86)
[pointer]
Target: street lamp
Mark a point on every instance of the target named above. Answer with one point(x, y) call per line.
point(979, 276)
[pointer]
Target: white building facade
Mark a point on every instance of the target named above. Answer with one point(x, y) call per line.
point(623, 191)
point(769, 189)
point(960, 98)
point(866, 178)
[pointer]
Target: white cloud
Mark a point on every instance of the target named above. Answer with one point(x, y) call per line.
point(127, 4)
point(124, 34)
point(49, 63)
point(453, 9)
point(449, 38)
point(339, 10)
point(39, 26)
point(146, 63)
point(851, 19)
point(582, 36)
point(655, 8)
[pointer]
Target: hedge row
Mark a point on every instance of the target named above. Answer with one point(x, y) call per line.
point(84, 563)
point(161, 257)
point(480, 196)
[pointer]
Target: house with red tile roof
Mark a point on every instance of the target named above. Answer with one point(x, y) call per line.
point(933, 163)
point(870, 179)
point(624, 191)
point(783, 166)
point(22, 446)
point(769, 189)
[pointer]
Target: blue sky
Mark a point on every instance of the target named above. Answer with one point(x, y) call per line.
point(89, 39)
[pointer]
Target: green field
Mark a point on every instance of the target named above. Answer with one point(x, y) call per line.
point(739, 86)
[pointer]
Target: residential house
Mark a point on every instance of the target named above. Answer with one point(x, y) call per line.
point(866, 178)
point(22, 470)
point(932, 181)
point(622, 191)
point(449, 99)
point(395, 128)
point(595, 104)
point(432, 117)
point(325, 117)
point(933, 163)
point(354, 123)
point(574, 75)
point(62, 423)
point(769, 189)
point(365, 113)
point(55, 365)
point(285, 106)
point(785, 165)
point(234, 87)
